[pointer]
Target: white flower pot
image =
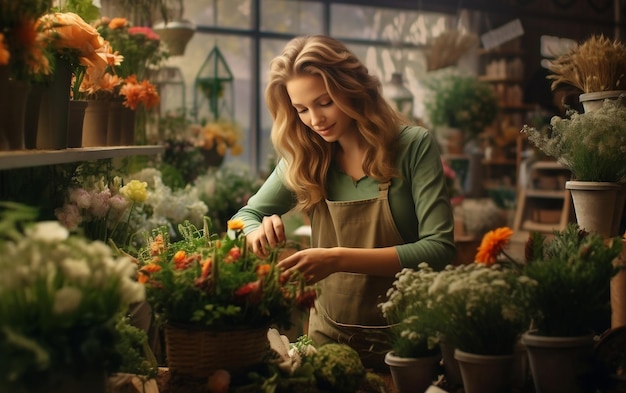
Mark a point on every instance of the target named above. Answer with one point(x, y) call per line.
point(593, 101)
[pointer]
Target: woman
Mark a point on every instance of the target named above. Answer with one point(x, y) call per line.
point(372, 186)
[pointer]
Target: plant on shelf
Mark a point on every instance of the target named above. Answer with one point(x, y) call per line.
point(597, 64)
point(61, 296)
point(592, 144)
point(463, 102)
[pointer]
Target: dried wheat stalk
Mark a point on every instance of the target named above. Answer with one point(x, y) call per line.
point(598, 64)
point(447, 48)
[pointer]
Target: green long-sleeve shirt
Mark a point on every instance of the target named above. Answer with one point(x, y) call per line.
point(418, 200)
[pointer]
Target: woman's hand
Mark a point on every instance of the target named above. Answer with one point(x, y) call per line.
point(313, 263)
point(270, 234)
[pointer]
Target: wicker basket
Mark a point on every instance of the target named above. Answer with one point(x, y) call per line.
point(198, 353)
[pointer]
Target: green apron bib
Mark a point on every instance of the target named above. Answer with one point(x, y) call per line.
point(346, 310)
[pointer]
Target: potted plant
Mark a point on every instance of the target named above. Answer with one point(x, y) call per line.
point(597, 67)
point(415, 355)
point(461, 102)
point(483, 311)
point(212, 295)
point(569, 305)
point(61, 297)
point(591, 145)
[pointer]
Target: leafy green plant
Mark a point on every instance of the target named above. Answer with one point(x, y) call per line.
point(591, 144)
point(573, 272)
point(461, 101)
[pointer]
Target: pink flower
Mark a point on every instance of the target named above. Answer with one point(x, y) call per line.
point(80, 197)
point(69, 216)
point(119, 203)
point(147, 31)
point(100, 203)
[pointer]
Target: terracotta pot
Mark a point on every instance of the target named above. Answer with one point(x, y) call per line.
point(485, 373)
point(559, 364)
point(593, 101)
point(598, 205)
point(412, 375)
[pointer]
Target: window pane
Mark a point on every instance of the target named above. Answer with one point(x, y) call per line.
point(236, 51)
point(220, 13)
point(288, 16)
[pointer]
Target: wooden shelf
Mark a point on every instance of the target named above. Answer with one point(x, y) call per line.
point(31, 158)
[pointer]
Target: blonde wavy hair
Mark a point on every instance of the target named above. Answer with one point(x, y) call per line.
point(354, 91)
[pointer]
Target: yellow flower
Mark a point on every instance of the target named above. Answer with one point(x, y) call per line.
point(135, 191)
point(492, 245)
point(236, 224)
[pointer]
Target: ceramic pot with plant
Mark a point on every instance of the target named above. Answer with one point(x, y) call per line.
point(596, 67)
point(592, 146)
point(569, 304)
point(415, 355)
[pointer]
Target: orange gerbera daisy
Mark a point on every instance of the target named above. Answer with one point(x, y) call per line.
point(492, 245)
point(5, 55)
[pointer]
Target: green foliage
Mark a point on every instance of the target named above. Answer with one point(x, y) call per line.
point(461, 102)
point(83, 8)
point(573, 271)
point(338, 368)
point(136, 355)
point(592, 144)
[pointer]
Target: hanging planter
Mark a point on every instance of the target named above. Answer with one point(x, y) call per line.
point(175, 34)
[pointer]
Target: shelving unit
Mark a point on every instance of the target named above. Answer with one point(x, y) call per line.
point(503, 68)
point(545, 205)
point(31, 158)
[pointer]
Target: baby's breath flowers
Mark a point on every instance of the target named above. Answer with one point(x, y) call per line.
point(592, 145)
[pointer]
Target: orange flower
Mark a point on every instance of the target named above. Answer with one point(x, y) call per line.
point(180, 256)
point(139, 93)
point(69, 31)
point(142, 278)
point(117, 23)
point(235, 225)
point(492, 245)
point(5, 55)
point(206, 268)
point(158, 245)
point(151, 268)
point(263, 270)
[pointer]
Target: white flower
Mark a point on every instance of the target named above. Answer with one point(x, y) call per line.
point(47, 231)
point(76, 270)
point(66, 300)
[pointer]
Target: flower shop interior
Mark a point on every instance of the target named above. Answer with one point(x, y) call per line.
point(149, 114)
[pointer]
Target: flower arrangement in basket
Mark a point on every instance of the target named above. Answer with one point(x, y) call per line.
point(213, 289)
point(61, 298)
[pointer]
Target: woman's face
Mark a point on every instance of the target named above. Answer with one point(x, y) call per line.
point(317, 110)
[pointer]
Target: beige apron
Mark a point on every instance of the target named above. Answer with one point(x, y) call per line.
point(346, 310)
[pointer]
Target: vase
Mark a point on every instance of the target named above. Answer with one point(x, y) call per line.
point(412, 375)
point(75, 122)
point(560, 364)
point(54, 108)
point(114, 123)
point(31, 122)
point(593, 101)
point(618, 291)
point(598, 205)
point(198, 353)
point(95, 123)
point(13, 115)
point(127, 127)
point(485, 373)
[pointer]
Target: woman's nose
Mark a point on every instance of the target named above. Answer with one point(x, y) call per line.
point(317, 119)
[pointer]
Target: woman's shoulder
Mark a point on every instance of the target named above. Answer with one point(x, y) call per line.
point(414, 136)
